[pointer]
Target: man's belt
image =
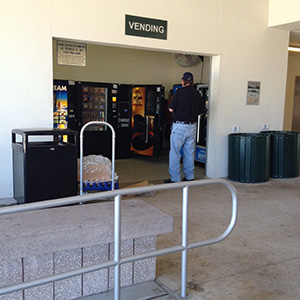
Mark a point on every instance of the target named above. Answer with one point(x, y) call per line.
point(184, 122)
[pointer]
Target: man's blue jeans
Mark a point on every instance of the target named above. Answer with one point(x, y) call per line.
point(183, 136)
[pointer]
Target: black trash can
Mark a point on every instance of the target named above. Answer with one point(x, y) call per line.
point(44, 164)
point(249, 157)
point(285, 149)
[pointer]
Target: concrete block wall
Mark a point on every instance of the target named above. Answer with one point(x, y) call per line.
point(30, 268)
point(95, 282)
point(28, 253)
point(11, 273)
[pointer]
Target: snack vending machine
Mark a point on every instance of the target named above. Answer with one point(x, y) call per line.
point(109, 103)
point(89, 101)
point(77, 103)
point(200, 154)
point(121, 111)
point(146, 121)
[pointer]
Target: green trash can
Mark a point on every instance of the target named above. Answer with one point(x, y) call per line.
point(285, 147)
point(249, 157)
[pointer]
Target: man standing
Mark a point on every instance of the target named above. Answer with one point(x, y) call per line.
point(168, 117)
point(186, 105)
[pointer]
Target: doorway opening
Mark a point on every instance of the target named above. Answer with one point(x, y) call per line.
point(124, 66)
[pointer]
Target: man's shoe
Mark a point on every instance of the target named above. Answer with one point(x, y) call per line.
point(184, 179)
point(169, 181)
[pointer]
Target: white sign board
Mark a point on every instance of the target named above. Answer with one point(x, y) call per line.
point(71, 54)
point(253, 92)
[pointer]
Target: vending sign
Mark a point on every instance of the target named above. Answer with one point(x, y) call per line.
point(145, 27)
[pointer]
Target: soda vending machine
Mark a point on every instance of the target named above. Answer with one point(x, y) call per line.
point(60, 104)
point(146, 106)
point(65, 106)
point(200, 154)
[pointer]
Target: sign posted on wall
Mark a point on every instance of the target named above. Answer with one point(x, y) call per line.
point(145, 27)
point(71, 54)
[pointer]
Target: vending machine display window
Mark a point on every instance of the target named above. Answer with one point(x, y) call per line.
point(146, 119)
point(94, 105)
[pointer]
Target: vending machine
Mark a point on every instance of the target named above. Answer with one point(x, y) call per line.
point(200, 154)
point(146, 106)
point(176, 87)
point(60, 104)
point(110, 103)
point(94, 101)
point(121, 112)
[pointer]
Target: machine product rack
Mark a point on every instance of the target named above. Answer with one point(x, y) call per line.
point(98, 185)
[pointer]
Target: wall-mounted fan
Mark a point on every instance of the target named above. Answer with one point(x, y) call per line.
point(186, 60)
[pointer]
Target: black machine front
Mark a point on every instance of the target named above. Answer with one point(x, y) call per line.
point(121, 117)
point(146, 108)
point(200, 155)
point(91, 101)
point(133, 111)
point(202, 123)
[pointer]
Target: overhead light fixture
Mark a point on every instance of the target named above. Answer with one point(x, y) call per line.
point(294, 49)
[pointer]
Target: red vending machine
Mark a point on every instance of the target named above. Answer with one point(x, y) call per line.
point(146, 105)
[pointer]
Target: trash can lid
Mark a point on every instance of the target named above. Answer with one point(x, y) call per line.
point(44, 131)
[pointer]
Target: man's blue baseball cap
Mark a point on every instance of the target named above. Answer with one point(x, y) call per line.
point(188, 76)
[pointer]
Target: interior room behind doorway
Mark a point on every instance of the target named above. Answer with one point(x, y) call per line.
point(129, 66)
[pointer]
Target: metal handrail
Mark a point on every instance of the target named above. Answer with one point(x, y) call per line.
point(113, 141)
point(116, 263)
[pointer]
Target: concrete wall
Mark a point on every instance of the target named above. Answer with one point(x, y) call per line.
point(293, 71)
point(285, 14)
point(77, 236)
point(235, 31)
point(250, 52)
point(25, 75)
point(103, 22)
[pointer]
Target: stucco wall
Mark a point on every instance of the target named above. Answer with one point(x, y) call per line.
point(25, 75)
point(235, 31)
point(285, 14)
point(199, 22)
point(250, 52)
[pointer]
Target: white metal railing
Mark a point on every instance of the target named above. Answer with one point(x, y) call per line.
point(116, 263)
